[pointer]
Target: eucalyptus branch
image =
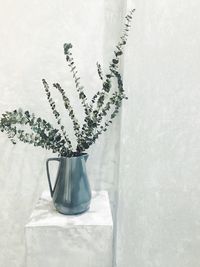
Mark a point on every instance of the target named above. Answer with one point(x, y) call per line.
point(56, 114)
point(93, 122)
point(101, 109)
point(73, 69)
point(91, 136)
point(104, 128)
point(113, 66)
point(71, 113)
point(42, 133)
point(99, 70)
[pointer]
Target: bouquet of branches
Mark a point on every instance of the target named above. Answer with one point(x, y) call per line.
point(99, 111)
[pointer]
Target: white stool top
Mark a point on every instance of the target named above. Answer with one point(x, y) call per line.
point(45, 213)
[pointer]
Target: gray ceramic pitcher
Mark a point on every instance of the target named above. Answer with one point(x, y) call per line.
point(71, 193)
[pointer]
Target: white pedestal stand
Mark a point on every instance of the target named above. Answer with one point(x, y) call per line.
point(57, 240)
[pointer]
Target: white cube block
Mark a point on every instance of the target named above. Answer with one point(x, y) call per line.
point(57, 240)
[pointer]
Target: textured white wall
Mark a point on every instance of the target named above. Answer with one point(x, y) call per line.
point(159, 190)
point(32, 34)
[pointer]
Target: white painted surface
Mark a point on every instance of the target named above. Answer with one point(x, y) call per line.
point(159, 189)
point(84, 240)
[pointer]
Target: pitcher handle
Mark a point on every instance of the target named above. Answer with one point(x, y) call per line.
point(48, 173)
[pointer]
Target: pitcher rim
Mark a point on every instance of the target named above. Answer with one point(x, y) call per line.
point(80, 155)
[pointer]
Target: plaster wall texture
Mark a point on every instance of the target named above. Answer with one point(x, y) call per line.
point(159, 185)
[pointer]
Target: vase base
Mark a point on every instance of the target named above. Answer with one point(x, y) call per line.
point(72, 211)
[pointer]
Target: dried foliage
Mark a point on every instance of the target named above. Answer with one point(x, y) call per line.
point(99, 111)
